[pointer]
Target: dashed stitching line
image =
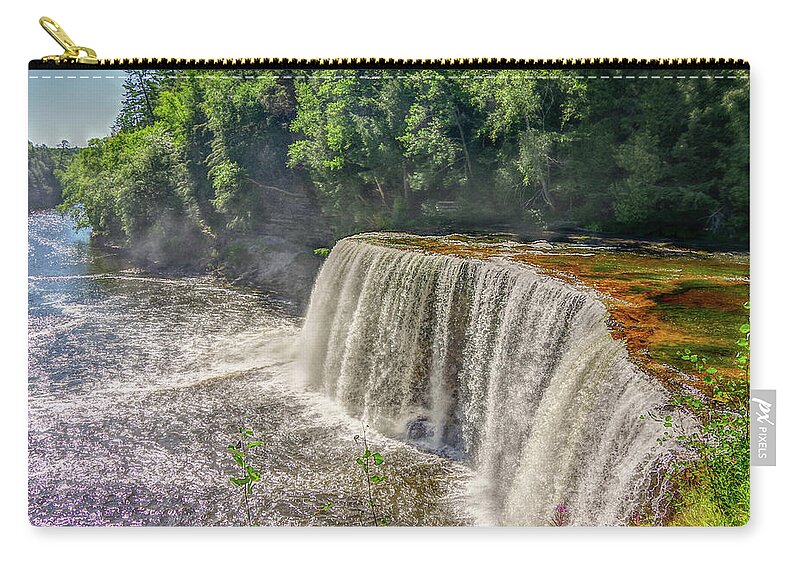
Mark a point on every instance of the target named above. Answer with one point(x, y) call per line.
point(379, 77)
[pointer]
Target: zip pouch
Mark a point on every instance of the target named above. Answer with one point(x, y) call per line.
point(378, 292)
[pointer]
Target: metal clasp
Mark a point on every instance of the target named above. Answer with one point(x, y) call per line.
point(72, 52)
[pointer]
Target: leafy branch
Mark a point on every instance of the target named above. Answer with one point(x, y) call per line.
point(249, 474)
point(369, 461)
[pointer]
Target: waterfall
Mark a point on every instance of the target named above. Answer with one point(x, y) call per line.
point(494, 364)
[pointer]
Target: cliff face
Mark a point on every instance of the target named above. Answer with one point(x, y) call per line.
point(275, 254)
point(279, 255)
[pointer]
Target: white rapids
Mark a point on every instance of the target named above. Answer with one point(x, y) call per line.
point(489, 362)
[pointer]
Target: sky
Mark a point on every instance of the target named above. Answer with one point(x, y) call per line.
point(73, 105)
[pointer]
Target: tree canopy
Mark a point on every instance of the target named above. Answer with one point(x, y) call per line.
point(416, 150)
point(44, 162)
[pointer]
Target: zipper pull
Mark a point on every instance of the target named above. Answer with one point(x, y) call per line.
point(72, 52)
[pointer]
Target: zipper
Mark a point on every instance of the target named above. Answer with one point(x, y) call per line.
point(79, 57)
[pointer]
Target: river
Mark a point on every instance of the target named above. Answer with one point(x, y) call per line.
point(138, 382)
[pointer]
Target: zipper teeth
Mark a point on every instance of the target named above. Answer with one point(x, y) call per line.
point(378, 63)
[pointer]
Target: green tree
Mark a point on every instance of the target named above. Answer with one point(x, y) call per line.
point(140, 94)
point(44, 189)
point(531, 121)
point(90, 187)
point(381, 150)
point(349, 144)
point(247, 120)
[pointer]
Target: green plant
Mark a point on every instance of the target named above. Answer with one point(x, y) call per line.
point(322, 251)
point(324, 508)
point(714, 487)
point(249, 474)
point(369, 461)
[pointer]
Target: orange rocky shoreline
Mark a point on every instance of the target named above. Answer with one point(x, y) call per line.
point(661, 299)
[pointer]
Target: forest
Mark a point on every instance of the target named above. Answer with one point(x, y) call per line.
point(198, 155)
point(44, 188)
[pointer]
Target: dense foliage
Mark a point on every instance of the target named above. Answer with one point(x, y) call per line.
point(420, 150)
point(44, 188)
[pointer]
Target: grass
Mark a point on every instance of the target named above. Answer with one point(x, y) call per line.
point(697, 507)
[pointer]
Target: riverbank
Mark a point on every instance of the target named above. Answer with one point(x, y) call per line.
point(273, 264)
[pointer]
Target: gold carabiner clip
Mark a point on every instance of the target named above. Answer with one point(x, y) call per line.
point(72, 52)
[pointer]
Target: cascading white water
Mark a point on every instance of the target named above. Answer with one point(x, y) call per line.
point(495, 364)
